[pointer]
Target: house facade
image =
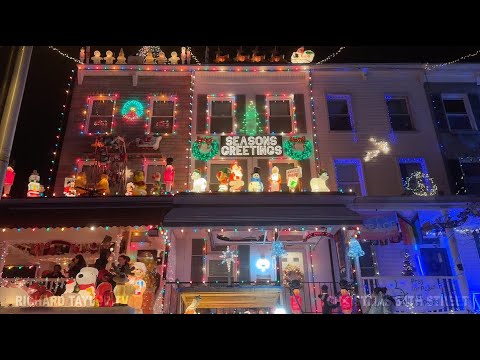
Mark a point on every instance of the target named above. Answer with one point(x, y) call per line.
point(280, 171)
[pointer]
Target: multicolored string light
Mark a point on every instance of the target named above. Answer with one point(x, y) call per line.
point(331, 56)
point(314, 122)
point(58, 144)
point(65, 55)
point(313, 278)
point(190, 120)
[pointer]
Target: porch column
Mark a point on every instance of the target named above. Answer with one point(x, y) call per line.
point(455, 253)
point(3, 255)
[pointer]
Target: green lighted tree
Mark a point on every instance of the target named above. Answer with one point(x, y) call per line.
point(251, 121)
point(408, 268)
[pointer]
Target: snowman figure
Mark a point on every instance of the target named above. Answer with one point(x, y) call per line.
point(256, 184)
point(199, 183)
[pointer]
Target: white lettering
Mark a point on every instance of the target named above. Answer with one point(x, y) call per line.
point(273, 140)
point(251, 140)
point(245, 150)
point(232, 151)
point(238, 150)
point(270, 150)
point(235, 140)
point(224, 150)
point(278, 150)
point(243, 141)
point(228, 141)
point(258, 140)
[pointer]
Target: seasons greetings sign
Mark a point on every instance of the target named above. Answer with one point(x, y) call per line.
point(243, 146)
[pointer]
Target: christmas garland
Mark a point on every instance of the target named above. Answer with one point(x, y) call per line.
point(205, 156)
point(290, 151)
point(291, 272)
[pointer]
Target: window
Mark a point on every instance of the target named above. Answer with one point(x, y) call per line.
point(221, 114)
point(216, 166)
point(399, 114)
point(409, 166)
point(100, 114)
point(90, 169)
point(283, 166)
point(349, 176)
point(471, 176)
point(279, 114)
point(151, 167)
point(340, 112)
point(197, 260)
point(162, 111)
point(458, 113)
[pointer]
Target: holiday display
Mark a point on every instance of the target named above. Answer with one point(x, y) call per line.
point(255, 184)
point(137, 281)
point(219, 58)
point(157, 184)
point(81, 184)
point(241, 56)
point(34, 185)
point(9, 296)
point(292, 275)
point(96, 58)
point(293, 148)
point(103, 186)
point(263, 264)
point(132, 110)
point(293, 178)
point(189, 55)
point(236, 183)
point(223, 177)
point(302, 56)
point(205, 148)
point(278, 249)
point(173, 59)
point(9, 179)
point(276, 56)
point(82, 288)
point(82, 55)
point(199, 183)
point(248, 146)
point(69, 187)
point(355, 249)
point(105, 296)
point(139, 182)
point(151, 277)
point(408, 268)
point(109, 58)
point(169, 175)
point(123, 289)
point(149, 59)
point(346, 302)
point(296, 302)
point(275, 179)
point(144, 50)
point(228, 257)
point(161, 59)
point(319, 184)
point(121, 60)
point(183, 55)
point(421, 184)
point(130, 188)
point(251, 121)
point(193, 306)
point(256, 57)
point(149, 141)
point(380, 147)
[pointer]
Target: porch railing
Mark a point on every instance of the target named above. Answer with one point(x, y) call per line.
point(416, 294)
point(56, 286)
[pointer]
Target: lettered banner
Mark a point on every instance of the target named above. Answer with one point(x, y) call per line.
point(247, 146)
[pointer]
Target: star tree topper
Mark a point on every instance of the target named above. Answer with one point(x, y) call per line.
point(228, 257)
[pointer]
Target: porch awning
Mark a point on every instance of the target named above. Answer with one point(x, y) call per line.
point(258, 215)
point(228, 298)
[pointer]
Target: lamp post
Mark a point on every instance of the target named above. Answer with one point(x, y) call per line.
point(11, 109)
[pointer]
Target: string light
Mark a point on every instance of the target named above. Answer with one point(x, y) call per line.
point(190, 119)
point(332, 55)
point(193, 55)
point(155, 50)
point(381, 147)
point(431, 67)
point(313, 278)
point(314, 122)
point(3, 255)
point(87, 115)
point(65, 55)
point(422, 185)
point(58, 137)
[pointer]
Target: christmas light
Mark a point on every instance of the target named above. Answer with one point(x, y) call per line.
point(431, 67)
point(408, 269)
point(132, 110)
point(65, 55)
point(314, 122)
point(290, 151)
point(201, 142)
point(355, 249)
point(251, 121)
point(228, 257)
point(331, 56)
point(381, 147)
point(155, 50)
point(421, 184)
point(277, 248)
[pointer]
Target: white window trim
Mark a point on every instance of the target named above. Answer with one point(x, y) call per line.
point(210, 100)
point(91, 99)
point(360, 172)
point(468, 108)
point(288, 98)
point(409, 110)
point(172, 98)
point(147, 163)
point(348, 99)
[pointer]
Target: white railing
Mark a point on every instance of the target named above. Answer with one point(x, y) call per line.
point(52, 284)
point(417, 294)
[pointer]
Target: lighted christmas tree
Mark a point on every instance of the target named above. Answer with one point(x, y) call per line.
point(250, 120)
point(408, 268)
point(355, 249)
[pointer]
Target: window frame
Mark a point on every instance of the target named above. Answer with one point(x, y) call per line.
point(229, 162)
point(468, 109)
point(149, 162)
point(88, 117)
point(288, 98)
point(361, 177)
point(409, 111)
point(213, 98)
point(420, 161)
point(164, 98)
point(348, 99)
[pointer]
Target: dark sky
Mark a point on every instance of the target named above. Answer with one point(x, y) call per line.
point(49, 75)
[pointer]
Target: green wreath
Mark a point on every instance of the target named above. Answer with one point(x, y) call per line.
point(288, 146)
point(205, 156)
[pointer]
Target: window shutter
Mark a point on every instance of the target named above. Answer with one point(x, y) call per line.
point(241, 108)
point(197, 260)
point(306, 176)
point(299, 102)
point(438, 111)
point(264, 173)
point(260, 102)
point(455, 174)
point(201, 113)
point(475, 104)
point(244, 260)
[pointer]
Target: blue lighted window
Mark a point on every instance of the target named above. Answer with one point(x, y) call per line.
point(349, 175)
point(410, 165)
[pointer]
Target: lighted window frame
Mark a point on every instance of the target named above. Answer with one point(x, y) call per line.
point(468, 111)
point(88, 118)
point(358, 165)
point(408, 113)
point(153, 162)
point(79, 167)
point(348, 100)
point(211, 178)
point(211, 99)
point(420, 161)
point(152, 118)
point(289, 98)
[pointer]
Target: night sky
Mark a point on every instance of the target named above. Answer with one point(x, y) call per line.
point(49, 75)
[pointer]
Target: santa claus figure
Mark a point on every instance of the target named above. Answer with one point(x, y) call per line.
point(9, 178)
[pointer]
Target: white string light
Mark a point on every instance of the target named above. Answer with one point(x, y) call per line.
point(428, 67)
point(422, 185)
point(193, 56)
point(332, 55)
point(65, 55)
point(381, 147)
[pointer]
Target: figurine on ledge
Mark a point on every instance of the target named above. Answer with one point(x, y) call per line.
point(161, 59)
point(97, 58)
point(109, 58)
point(9, 178)
point(121, 60)
point(174, 58)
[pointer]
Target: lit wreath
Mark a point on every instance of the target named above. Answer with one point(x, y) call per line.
point(290, 151)
point(132, 110)
point(290, 273)
point(422, 185)
point(205, 156)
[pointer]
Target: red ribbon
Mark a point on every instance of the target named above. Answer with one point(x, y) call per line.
point(204, 140)
point(298, 139)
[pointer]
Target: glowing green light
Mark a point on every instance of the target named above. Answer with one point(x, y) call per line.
point(132, 110)
point(198, 152)
point(290, 151)
point(251, 122)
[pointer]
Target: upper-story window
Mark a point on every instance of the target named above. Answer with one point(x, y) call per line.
point(221, 114)
point(458, 112)
point(408, 166)
point(162, 114)
point(340, 112)
point(280, 114)
point(349, 176)
point(399, 113)
point(100, 114)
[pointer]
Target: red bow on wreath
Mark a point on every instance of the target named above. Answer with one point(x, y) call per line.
point(204, 140)
point(298, 139)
